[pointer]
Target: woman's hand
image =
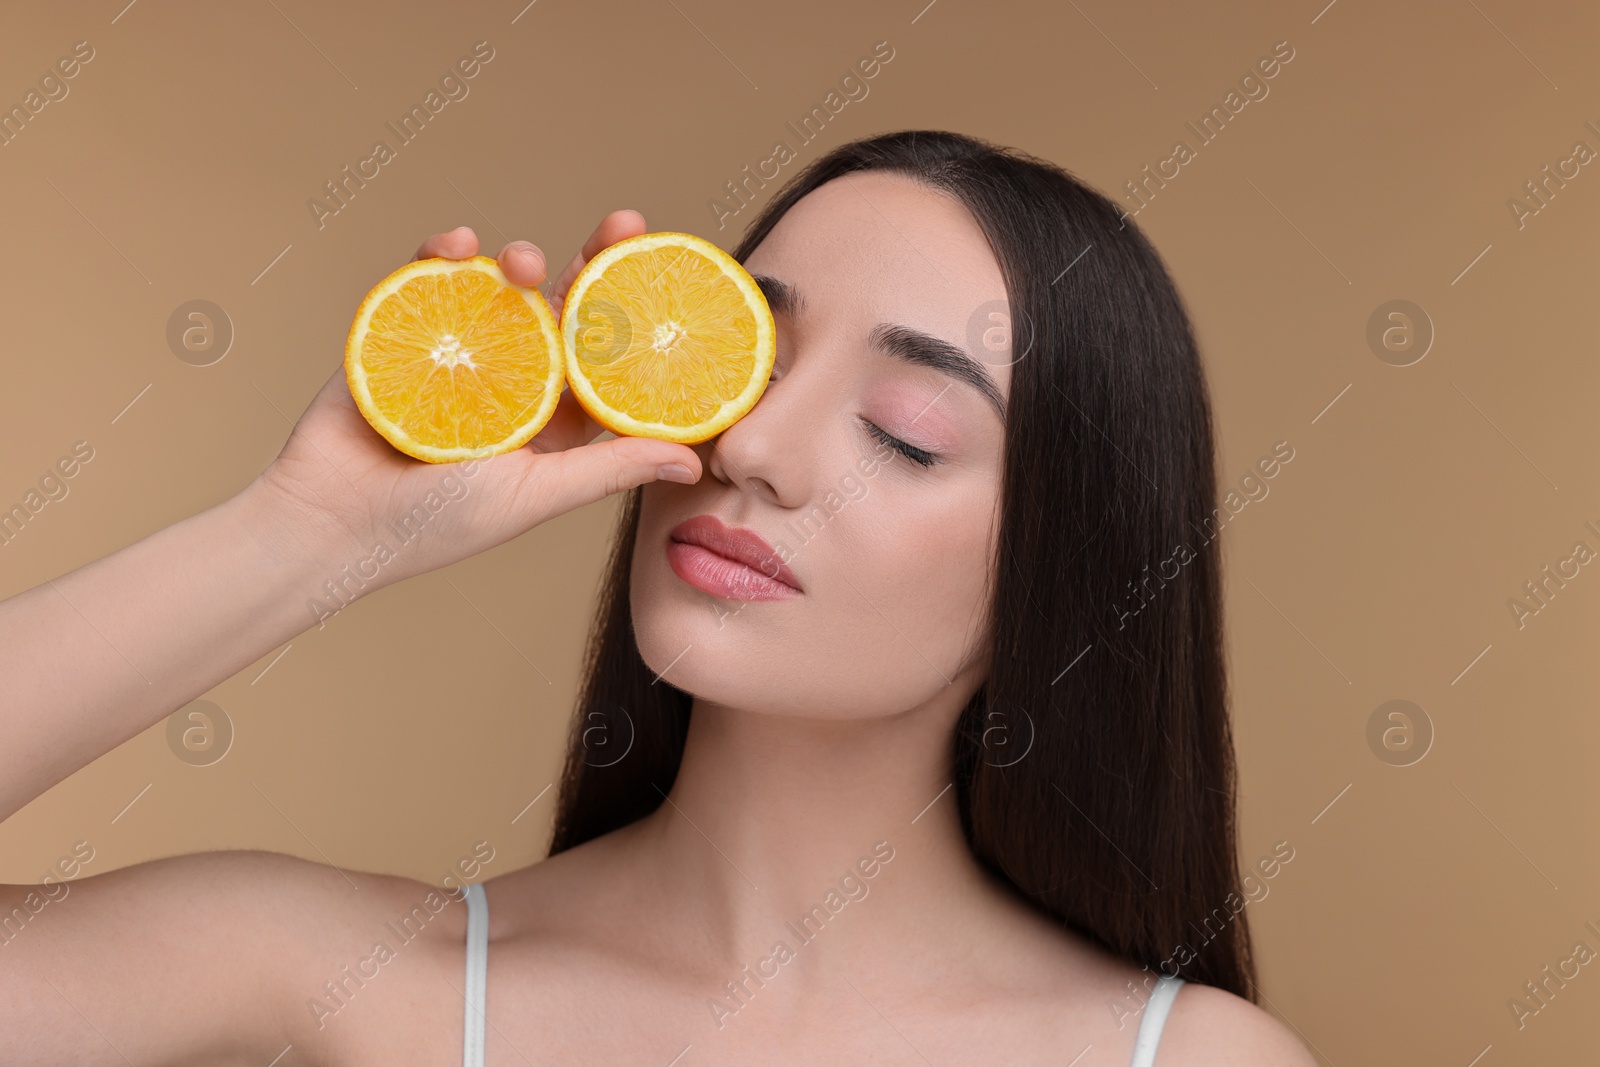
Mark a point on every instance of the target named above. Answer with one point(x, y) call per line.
point(99, 654)
point(339, 487)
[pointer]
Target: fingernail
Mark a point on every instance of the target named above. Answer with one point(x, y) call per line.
point(675, 472)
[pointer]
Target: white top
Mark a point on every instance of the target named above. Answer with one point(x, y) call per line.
point(477, 974)
point(1144, 1044)
point(1155, 1017)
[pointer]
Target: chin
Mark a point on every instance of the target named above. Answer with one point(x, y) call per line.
point(719, 650)
point(784, 657)
point(762, 658)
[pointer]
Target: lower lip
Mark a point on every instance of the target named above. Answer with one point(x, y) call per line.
point(722, 577)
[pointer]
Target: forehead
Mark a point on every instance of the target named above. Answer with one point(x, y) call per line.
point(876, 247)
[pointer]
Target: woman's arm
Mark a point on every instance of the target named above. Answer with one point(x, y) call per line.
point(99, 654)
point(93, 657)
point(214, 957)
point(221, 958)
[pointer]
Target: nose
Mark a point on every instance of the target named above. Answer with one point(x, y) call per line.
point(775, 451)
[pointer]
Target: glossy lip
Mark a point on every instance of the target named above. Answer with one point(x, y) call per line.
point(728, 561)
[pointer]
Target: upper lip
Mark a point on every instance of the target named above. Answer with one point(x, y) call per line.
point(735, 543)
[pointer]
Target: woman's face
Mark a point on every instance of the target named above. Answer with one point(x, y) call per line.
point(890, 555)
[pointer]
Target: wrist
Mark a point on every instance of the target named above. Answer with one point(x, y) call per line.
point(300, 548)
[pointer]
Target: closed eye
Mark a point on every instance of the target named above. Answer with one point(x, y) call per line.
point(785, 301)
point(911, 452)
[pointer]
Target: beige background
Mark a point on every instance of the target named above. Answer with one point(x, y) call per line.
point(1379, 567)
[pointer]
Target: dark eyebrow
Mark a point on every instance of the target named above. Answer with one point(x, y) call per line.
point(783, 298)
point(902, 343)
point(925, 350)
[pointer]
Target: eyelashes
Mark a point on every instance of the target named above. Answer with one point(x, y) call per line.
point(911, 452)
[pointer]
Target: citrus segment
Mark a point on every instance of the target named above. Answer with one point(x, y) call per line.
point(666, 335)
point(450, 361)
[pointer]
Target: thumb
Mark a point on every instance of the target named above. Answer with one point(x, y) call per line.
point(562, 481)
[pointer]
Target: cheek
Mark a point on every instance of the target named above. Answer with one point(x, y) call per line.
point(931, 570)
point(916, 595)
point(657, 608)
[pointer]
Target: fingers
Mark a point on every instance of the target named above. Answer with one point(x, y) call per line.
point(613, 228)
point(625, 222)
point(522, 263)
point(459, 243)
point(569, 427)
point(561, 481)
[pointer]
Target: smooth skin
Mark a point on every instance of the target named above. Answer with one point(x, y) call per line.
point(609, 952)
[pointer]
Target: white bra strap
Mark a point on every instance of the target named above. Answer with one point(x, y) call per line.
point(1155, 1017)
point(477, 974)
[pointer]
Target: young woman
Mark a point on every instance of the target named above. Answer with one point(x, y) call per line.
point(909, 755)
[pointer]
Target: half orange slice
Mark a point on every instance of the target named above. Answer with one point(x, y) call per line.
point(665, 335)
point(449, 361)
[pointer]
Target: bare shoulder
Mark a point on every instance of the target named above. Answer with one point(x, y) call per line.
point(1208, 1026)
point(565, 892)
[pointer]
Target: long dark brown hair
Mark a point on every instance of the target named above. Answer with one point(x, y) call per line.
point(1106, 603)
